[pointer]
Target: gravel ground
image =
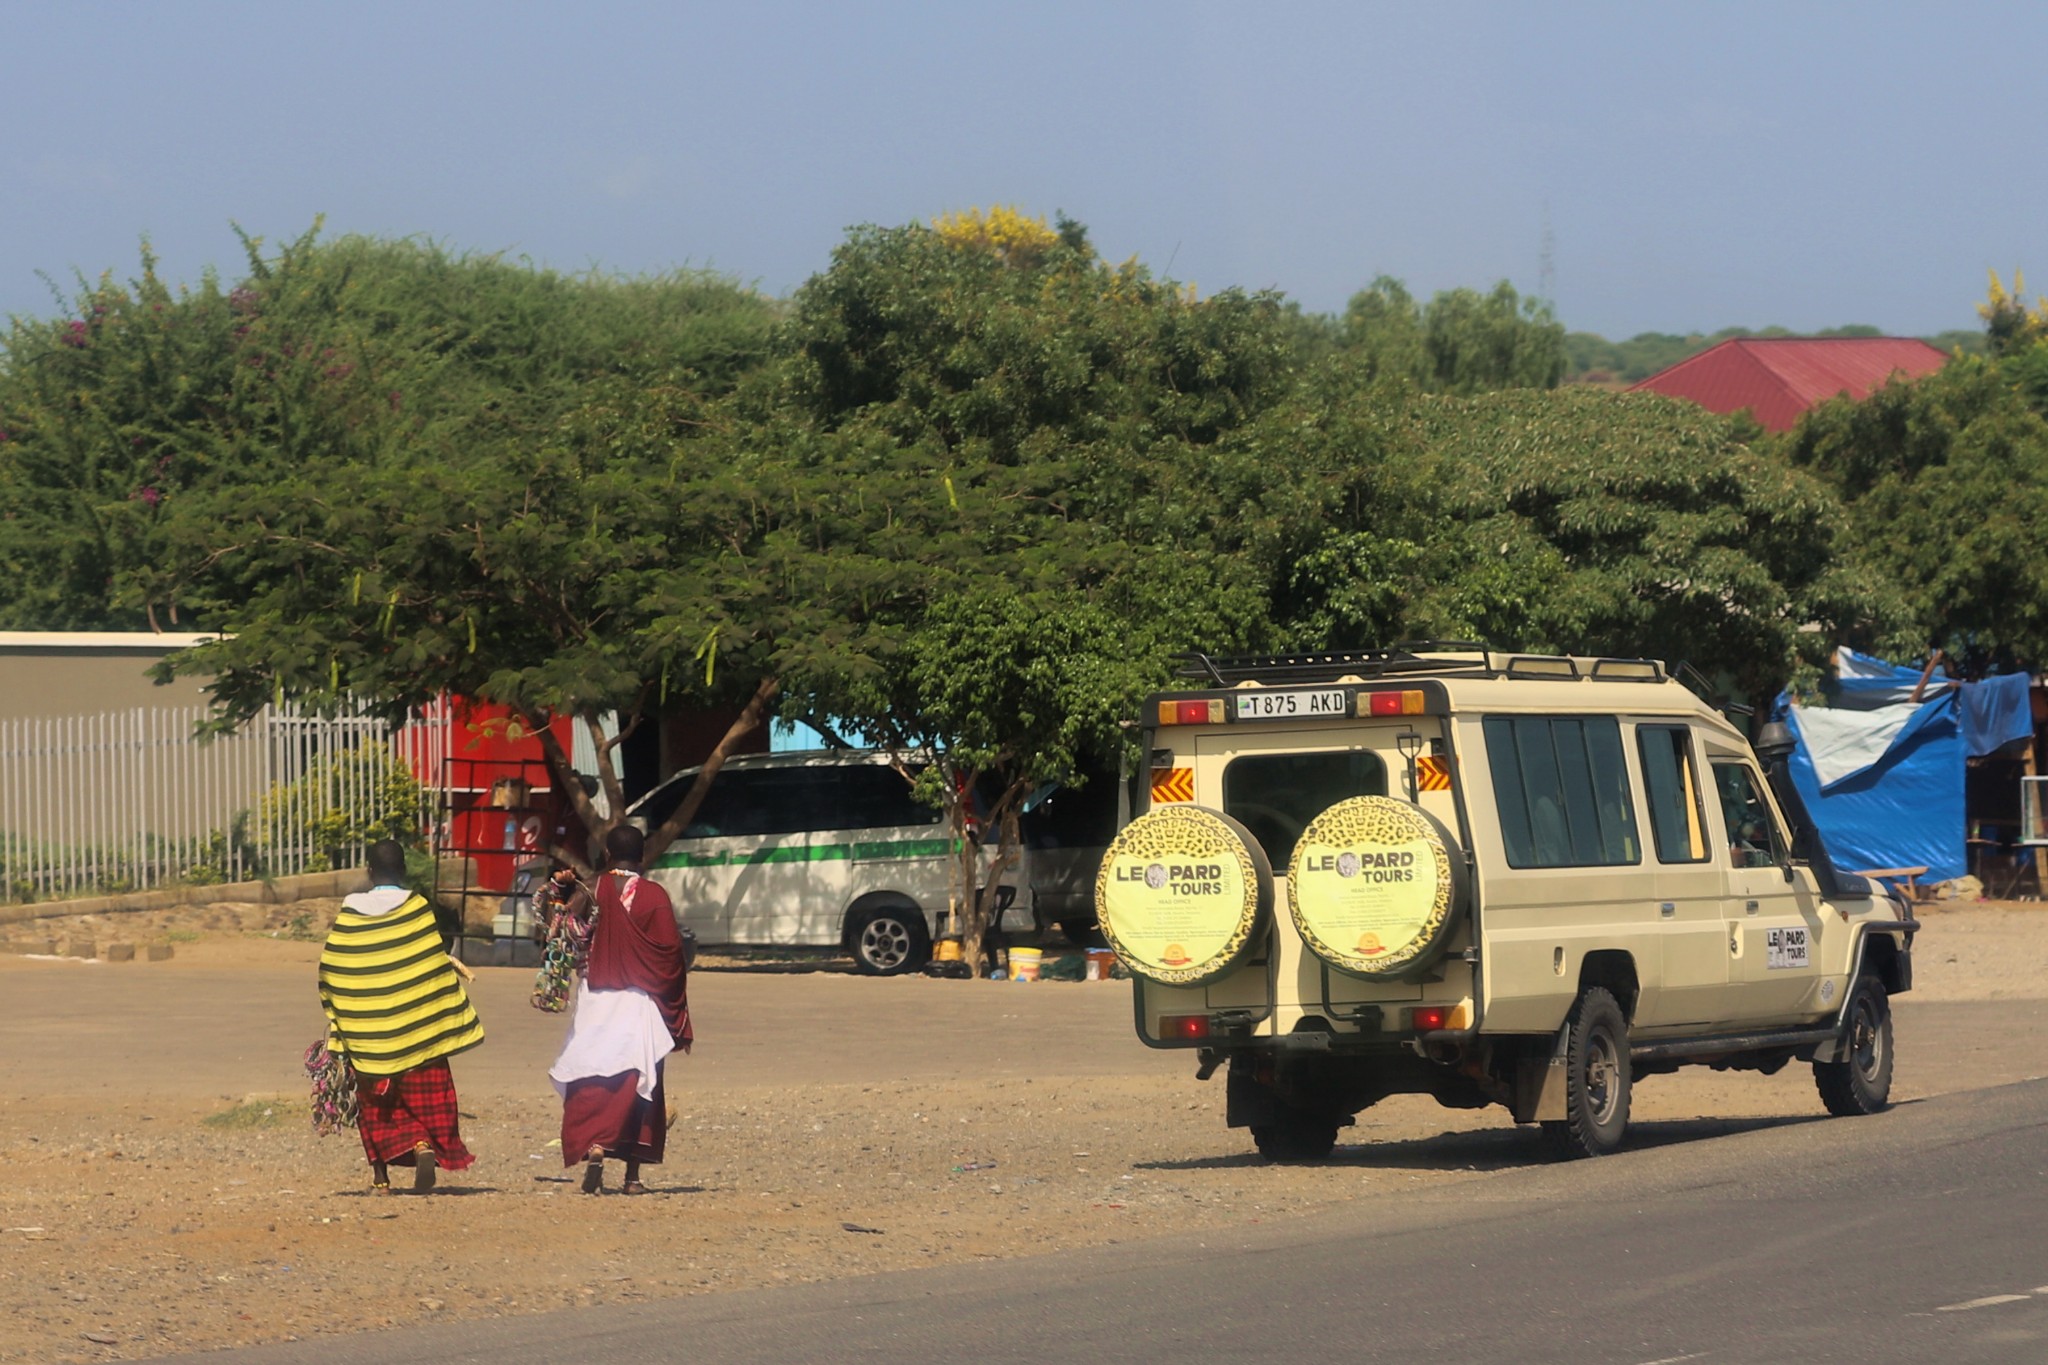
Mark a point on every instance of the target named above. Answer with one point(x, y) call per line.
point(164, 1193)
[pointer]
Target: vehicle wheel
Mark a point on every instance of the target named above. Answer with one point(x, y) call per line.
point(1861, 1083)
point(889, 940)
point(1597, 1075)
point(1295, 1136)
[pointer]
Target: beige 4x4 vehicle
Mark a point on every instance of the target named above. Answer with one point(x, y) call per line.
point(1491, 878)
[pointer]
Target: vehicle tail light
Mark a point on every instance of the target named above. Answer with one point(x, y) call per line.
point(1424, 1018)
point(1185, 1028)
point(1407, 702)
point(1198, 712)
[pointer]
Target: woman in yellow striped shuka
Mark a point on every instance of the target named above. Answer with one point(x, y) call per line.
point(395, 1006)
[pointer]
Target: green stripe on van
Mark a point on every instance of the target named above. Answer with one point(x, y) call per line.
point(867, 851)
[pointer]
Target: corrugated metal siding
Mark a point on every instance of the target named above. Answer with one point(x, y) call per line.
point(1780, 378)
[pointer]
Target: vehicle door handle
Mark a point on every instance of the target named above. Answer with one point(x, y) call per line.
point(1749, 907)
point(1667, 909)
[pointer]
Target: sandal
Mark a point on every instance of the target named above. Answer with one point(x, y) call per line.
point(380, 1187)
point(632, 1187)
point(423, 1171)
point(593, 1175)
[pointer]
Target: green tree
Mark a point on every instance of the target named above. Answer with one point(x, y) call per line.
point(324, 355)
point(1946, 481)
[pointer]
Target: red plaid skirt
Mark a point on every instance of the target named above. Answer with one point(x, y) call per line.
point(608, 1112)
point(400, 1112)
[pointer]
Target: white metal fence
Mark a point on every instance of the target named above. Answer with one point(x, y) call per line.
point(128, 800)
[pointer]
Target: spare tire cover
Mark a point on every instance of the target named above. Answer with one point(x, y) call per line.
point(1182, 893)
point(1375, 886)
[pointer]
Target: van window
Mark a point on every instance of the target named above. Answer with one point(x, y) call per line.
point(1561, 788)
point(1276, 795)
point(875, 796)
point(1753, 838)
point(1672, 787)
point(1074, 817)
point(763, 801)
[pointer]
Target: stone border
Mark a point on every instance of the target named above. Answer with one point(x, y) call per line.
point(279, 891)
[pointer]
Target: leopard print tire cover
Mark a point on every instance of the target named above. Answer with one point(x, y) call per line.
point(1375, 887)
point(1182, 894)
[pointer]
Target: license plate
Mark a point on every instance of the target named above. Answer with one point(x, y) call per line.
point(1333, 701)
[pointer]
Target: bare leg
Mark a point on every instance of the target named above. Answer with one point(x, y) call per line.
point(380, 1178)
point(632, 1183)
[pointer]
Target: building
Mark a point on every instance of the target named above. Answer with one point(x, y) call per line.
point(1778, 378)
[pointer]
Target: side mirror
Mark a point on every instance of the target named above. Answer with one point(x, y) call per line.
point(1775, 742)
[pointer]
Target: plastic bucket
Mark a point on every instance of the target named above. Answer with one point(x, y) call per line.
point(1100, 961)
point(1024, 963)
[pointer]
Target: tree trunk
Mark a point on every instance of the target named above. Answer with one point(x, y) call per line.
point(751, 718)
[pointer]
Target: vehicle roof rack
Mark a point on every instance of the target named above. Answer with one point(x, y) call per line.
point(1460, 658)
point(1330, 665)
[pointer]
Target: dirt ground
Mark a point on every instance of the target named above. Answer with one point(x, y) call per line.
point(163, 1192)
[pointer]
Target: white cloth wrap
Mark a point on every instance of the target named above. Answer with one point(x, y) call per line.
point(611, 1033)
point(377, 902)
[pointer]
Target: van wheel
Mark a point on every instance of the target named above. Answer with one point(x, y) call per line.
point(1295, 1136)
point(889, 940)
point(1861, 1083)
point(1597, 1076)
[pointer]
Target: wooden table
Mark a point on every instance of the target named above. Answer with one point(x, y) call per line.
point(1904, 874)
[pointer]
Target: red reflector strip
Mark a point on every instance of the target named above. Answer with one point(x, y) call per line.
point(1423, 1018)
point(1185, 1027)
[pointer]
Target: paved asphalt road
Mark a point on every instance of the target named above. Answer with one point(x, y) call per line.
point(1916, 1235)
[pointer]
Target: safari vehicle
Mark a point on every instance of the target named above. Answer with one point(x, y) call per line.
point(825, 848)
point(1524, 880)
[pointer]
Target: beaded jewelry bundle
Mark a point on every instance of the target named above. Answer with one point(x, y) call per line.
point(335, 1106)
point(566, 953)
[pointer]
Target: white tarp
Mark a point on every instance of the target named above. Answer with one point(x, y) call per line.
point(1843, 743)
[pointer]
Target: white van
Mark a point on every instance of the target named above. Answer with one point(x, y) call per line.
point(817, 849)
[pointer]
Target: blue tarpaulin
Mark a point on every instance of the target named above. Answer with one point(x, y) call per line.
point(1903, 810)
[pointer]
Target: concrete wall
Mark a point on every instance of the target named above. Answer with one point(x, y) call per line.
point(81, 674)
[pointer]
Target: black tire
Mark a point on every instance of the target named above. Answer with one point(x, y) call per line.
point(888, 940)
point(1861, 1083)
point(1295, 1136)
point(1597, 1079)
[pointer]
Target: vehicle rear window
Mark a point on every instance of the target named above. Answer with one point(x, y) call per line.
point(1276, 795)
point(1671, 785)
point(874, 796)
point(1560, 786)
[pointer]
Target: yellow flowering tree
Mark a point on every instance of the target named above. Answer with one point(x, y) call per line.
point(2008, 323)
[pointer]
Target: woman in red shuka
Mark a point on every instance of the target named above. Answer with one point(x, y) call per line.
point(631, 1009)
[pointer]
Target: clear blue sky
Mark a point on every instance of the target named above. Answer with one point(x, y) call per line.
point(1698, 166)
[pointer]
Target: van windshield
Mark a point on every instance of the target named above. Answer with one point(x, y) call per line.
point(1276, 795)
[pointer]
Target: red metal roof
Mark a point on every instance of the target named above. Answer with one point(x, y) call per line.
point(1777, 378)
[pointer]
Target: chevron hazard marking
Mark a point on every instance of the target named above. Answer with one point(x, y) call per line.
point(1433, 774)
point(1173, 786)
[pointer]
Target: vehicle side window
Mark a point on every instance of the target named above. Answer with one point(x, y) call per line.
point(1276, 795)
point(1753, 839)
point(875, 796)
point(663, 800)
point(1560, 786)
point(722, 808)
point(1677, 819)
